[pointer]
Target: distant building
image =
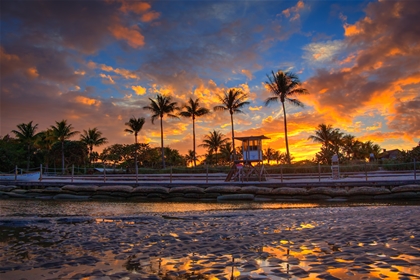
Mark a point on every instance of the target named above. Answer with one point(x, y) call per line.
point(391, 154)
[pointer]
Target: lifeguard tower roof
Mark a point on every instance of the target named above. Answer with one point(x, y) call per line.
point(245, 138)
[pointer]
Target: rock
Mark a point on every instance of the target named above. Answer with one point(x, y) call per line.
point(290, 191)
point(7, 188)
point(316, 197)
point(255, 190)
point(186, 189)
point(81, 188)
point(223, 189)
point(328, 191)
point(406, 188)
point(337, 199)
point(116, 188)
point(106, 197)
point(13, 194)
point(400, 195)
point(235, 197)
point(146, 190)
point(368, 191)
point(71, 197)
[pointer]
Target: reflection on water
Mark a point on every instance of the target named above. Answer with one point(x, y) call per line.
point(307, 243)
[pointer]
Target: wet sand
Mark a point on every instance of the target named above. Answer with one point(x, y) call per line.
point(366, 242)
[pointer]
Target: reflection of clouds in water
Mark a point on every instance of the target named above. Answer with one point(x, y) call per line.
point(289, 243)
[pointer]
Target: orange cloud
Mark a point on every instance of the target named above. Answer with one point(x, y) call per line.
point(32, 72)
point(87, 101)
point(133, 36)
point(247, 73)
point(150, 16)
point(134, 6)
point(139, 90)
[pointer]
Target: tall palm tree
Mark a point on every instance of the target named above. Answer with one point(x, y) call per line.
point(92, 137)
point(326, 135)
point(160, 107)
point(283, 86)
point(61, 132)
point(233, 101)
point(190, 157)
point(214, 141)
point(135, 125)
point(27, 136)
point(269, 154)
point(193, 110)
point(44, 142)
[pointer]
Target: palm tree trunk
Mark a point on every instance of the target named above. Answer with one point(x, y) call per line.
point(195, 164)
point(285, 134)
point(62, 157)
point(29, 157)
point(233, 137)
point(161, 142)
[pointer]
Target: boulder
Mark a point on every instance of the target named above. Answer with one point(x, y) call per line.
point(223, 189)
point(71, 197)
point(7, 188)
point(328, 191)
point(186, 189)
point(255, 190)
point(368, 191)
point(116, 188)
point(152, 189)
point(238, 196)
point(80, 188)
point(406, 188)
point(290, 191)
point(399, 195)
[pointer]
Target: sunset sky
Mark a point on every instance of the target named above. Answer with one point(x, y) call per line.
point(96, 63)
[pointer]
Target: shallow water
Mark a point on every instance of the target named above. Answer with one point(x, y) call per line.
point(114, 240)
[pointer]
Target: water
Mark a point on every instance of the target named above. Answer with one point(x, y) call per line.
point(245, 240)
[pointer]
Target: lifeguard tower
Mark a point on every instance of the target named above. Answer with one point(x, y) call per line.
point(250, 167)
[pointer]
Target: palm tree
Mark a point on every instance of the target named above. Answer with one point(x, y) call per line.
point(269, 154)
point(283, 86)
point(326, 135)
point(233, 101)
point(160, 107)
point(92, 137)
point(226, 152)
point(193, 110)
point(190, 157)
point(44, 142)
point(214, 141)
point(135, 125)
point(61, 132)
point(26, 135)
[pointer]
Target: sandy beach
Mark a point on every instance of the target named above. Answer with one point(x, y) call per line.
point(361, 242)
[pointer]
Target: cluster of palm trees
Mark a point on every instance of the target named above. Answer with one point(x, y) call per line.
point(346, 146)
point(60, 132)
point(282, 85)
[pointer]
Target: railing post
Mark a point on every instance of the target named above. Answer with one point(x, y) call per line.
point(170, 176)
point(366, 173)
point(16, 172)
point(319, 172)
point(207, 173)
point(72, 172)
point(104, 174)
point(415, 170)
point(281, 173)
point(40, 173)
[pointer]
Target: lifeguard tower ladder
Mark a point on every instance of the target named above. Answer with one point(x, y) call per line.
point(250, 167)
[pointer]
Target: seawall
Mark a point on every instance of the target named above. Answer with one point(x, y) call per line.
point(248, 191)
